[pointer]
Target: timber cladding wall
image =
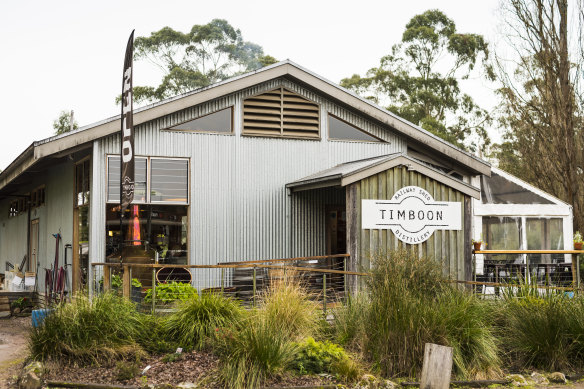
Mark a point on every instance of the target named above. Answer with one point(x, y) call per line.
point(451, 248)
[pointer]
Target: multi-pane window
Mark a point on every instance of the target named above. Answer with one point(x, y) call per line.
point(157, 180)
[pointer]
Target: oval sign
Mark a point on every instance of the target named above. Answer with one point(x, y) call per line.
point(412, 215)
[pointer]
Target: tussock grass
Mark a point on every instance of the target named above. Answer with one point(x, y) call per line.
point(542, 330)
point(410, 303)
point(198, 318)
point(286, 304)
point(102, 330)
point(262, 345)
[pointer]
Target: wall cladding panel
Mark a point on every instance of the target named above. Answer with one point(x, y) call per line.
point(445, 246)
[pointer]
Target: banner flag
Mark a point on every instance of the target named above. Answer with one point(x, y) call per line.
point(127, 136)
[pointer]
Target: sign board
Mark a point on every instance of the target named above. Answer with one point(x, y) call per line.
point(412, 215)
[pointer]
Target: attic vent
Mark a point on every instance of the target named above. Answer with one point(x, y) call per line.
point(280, 113)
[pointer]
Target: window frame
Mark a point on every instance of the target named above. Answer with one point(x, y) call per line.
point(328, 129)
point(149, 180)
point(232, 118)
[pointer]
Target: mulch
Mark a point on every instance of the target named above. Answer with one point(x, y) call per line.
point(191, 367)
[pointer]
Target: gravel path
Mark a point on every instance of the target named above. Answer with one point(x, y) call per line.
point(13, 347)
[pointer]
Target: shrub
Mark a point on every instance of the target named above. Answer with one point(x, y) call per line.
point(199, 317)
point(96, 331)
point(317, 357)
point(413, 304)
point(170, 293)
point(287, 305)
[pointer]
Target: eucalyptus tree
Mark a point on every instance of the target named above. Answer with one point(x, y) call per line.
point(419, 80)
point(206, 54)
point(541, 98)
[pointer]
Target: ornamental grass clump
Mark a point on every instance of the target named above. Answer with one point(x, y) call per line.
point(542, 330)
point(261, 344)
point(411, 304)
point(287, 304)
point(197, 319)
point(84, 331)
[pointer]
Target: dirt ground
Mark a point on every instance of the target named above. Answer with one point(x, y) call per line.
point(13, 347)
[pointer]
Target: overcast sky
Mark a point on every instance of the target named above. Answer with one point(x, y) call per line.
point(63, 55)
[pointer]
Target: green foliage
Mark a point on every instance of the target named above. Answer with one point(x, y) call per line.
point(205, 55)
point(104, 329)
point(136, 283)
point(198, 318)
point(21, 302)
point(412, 304)
point(261, 344)
point(172, 357)
point(256, 350)
point(418, 82)
point(126, 370)
point(543, 331)
point(63, 123)
point(171, 293)
point(317, 357)
point(349, 322)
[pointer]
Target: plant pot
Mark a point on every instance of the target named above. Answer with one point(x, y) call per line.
point(477, 246)
point(578, 245)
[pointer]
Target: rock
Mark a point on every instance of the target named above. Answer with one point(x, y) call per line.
point(4, 314)
point(30, 381)
point(186, 385)
point(557, 378)
point(539, 379)
point(517, 380)
point(369, 381)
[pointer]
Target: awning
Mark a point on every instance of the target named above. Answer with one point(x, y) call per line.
point(350, 172)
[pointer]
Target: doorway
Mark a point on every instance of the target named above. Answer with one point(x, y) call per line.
point(33, 246)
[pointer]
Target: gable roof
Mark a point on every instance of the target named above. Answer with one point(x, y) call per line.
point(350, 172)
point(61, 143)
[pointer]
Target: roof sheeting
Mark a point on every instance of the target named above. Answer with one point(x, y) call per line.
point(350, 172)
point(60, 143)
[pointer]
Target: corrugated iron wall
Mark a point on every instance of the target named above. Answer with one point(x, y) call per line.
point(239, 207)
point(309, 219)
point(446, 246)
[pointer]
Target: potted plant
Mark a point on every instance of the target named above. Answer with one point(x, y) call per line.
point(477, 244)
point(578, 241)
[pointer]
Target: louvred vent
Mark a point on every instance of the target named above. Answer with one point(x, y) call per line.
point(280, 113)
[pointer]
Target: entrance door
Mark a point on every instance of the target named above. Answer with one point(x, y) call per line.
point(33, 245)
point(336, 230)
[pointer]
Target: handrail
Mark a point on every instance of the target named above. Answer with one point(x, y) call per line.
point(528, 251)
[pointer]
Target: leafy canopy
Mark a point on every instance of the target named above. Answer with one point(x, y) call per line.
point(63, 123)
point(419, 79)
point(207, 54)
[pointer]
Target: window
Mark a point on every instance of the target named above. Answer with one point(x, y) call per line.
point(157, 180)
point(82, 183)
point(281, 113)
point(37, 197)
point(113, 179)
point(220, 121)
point(149, 229)
point(502, 233)
point(499, 190)
point(341, 130)
point(13, 209)
point(545, 234)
